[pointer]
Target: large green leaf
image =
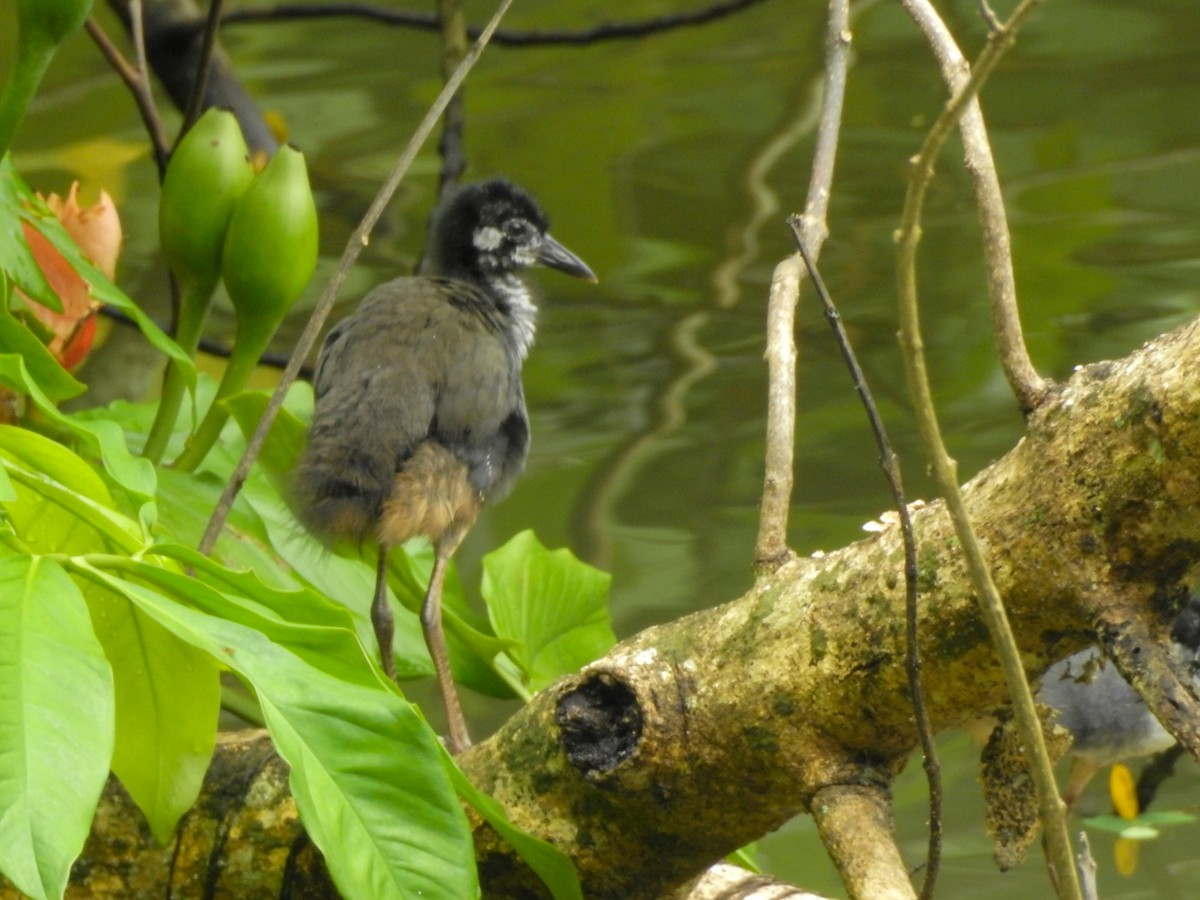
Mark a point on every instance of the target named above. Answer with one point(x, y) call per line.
point(553, 608)
point(65, 506)
point(366, 773)
point(186, 502)
point(167, 693)
point(56, 706)
point(168, 697)
point(298, 605)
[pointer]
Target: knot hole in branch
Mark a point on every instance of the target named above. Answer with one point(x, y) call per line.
point(601, 723)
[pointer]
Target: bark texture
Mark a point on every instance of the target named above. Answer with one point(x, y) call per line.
point(242, 839)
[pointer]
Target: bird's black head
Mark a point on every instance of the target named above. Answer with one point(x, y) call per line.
point(493, 229)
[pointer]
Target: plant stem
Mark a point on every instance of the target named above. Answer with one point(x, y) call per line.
point(193, 310)
point(252, 340)
point(945, 470)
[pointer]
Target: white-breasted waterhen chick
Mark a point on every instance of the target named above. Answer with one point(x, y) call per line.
point(420, 415)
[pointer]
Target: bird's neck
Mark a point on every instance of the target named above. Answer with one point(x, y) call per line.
point(515, 303)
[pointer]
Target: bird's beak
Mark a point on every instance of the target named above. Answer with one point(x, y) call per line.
point(555, 256)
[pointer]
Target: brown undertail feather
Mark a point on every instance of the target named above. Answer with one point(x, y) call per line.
point(432, 496)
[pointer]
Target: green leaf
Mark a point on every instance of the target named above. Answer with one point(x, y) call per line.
point(34, 211)
point(104, 437)
point(167, 693)
point(15, 256)
point(131, 472)
point(62, 505)
point(553, 608)
point(285, 440)
point(56, 703)
point(297, 605)
point(366, 772)
point(551, 864)
point(168, 697)
point(51, 377)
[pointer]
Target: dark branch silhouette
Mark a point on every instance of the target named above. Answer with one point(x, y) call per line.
point(605, 31)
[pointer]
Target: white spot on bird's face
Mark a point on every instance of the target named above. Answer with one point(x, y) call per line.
point(524, 255)
point(488, 238)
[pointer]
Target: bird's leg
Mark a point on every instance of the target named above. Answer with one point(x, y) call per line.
point(1082, 772)
point(435, 640)
point(381, 616)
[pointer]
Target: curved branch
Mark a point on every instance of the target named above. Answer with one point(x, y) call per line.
point(1027, 385)
point(137, 80)
point(771, 545)
point(1051, 808)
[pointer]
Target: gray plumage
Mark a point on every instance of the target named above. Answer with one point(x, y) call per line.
point(1108, 720)
point(422, 359)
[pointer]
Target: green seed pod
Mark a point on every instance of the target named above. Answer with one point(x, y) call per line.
point(270, 254)
point(209, 172)
point(271, 245)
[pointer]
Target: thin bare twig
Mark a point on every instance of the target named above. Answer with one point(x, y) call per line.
point(195, 104)
point(1027, 385)
point(451, 145)
point(891, 468)
point(1051, 807)
point(354, 247)
point(605, 31)
point(1087, 868)
point(989, 16)
point(138, 83)
point(771, 545)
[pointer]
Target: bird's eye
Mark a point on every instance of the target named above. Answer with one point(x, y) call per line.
point(517, 229)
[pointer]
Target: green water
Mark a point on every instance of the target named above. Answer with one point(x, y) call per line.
point(647, 392)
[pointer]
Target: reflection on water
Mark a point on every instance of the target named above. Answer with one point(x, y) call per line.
point(669, 163)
